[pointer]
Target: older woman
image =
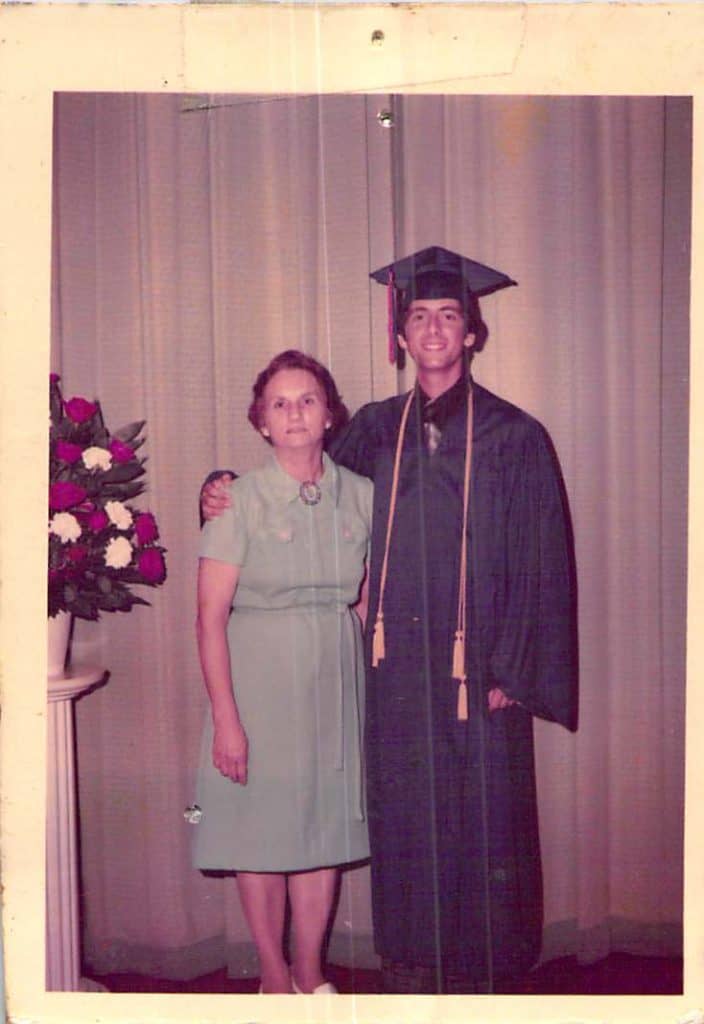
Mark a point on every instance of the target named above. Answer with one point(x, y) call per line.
point(280, 781)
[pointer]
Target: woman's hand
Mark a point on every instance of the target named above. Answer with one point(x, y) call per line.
point(230, 749)
point(217, 583)
point(362, 605)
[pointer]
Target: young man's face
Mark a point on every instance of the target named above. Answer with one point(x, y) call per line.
point(436, 335)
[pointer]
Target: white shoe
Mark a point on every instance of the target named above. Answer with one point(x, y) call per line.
point(326, 989)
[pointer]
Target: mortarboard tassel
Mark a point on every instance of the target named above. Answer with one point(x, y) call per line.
point(378, 644)
point(391, 316)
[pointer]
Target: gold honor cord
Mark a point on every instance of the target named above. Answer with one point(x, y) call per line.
point(378, 644)
point(459, 672)
point(459, 648)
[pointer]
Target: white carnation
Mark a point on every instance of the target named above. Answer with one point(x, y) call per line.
point(119, 514)
point(118, 553)
point(97, 458)
point(65, 526)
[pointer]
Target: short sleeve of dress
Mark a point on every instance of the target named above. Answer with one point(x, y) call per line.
point(225, 538)
point(368, 505)
point(364, 503)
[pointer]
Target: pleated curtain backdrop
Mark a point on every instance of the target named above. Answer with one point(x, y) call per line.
point(196, 236)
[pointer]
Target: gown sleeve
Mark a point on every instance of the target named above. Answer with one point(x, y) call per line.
point(355, 446)
point(534, 659)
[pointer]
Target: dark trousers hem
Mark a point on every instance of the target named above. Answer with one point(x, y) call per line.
point(401, 978)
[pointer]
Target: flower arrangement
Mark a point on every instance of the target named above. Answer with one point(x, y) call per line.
point(99, 545)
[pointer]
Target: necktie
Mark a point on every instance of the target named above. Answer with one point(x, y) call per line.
point(432, 436)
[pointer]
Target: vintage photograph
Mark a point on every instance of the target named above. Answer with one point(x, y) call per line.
point(368, 535)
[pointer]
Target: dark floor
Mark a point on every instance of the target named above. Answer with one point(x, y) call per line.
point(618, 974)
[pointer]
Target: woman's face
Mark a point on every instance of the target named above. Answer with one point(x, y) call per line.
point(294, 413)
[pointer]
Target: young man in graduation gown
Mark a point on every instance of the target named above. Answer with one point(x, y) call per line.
point(470, 633)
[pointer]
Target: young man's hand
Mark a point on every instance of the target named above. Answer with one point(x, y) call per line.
point(215, 496)
point(499, 700)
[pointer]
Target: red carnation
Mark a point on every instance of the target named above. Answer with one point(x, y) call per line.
point(98, 520)
point(145, 527)
point(68, 452)
point(76, 553)
point(120, 451)
point(151, 565)
point(80, 410)
point(65, 494)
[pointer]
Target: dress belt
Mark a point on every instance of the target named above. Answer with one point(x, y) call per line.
point(302, 609)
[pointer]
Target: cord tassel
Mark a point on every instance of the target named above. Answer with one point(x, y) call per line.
point(378, 643)
point(458, 655)
point(378, 640)
point(462, 708)
point(459, 649)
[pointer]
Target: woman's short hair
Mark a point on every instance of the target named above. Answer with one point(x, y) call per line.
point(292, 359)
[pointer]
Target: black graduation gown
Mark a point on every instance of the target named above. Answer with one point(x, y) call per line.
point(456, 877)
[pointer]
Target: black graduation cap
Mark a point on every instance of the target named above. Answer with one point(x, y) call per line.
point(434, 273)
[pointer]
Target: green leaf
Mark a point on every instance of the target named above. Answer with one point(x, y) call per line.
point(123, 492)
point(128, 433)
point(123, 472)
point(134, 576)
point(84, 608)
point(56, 407)
point(101, 438)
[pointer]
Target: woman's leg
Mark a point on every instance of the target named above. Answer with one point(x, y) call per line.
point(311, 894)
point(263, 898)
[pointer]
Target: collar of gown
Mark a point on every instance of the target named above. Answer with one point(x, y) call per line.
point(441, 409)
point(288, 490)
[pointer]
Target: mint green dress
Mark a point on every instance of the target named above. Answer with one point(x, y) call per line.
point(298, 676)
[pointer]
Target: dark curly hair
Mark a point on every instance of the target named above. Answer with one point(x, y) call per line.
point(292, 359)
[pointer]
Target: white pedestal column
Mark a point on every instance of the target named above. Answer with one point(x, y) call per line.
point(63, 967)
